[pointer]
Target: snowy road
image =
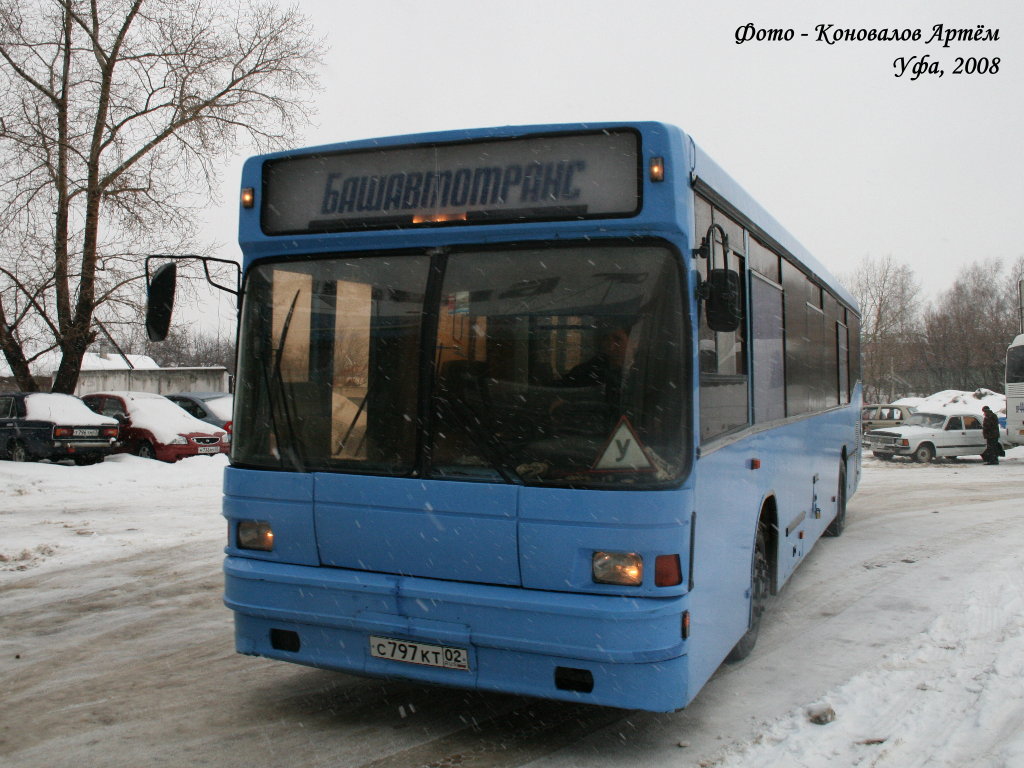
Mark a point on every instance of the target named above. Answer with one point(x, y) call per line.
point(115, 649)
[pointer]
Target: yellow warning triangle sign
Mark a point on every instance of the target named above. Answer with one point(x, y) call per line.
point(624, 451)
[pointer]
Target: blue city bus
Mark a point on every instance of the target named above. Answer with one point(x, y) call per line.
point(547, 410)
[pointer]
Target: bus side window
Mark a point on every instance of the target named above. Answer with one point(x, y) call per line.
point(722, 356)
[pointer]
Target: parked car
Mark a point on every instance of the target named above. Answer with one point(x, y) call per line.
point(882, 416)
point(48, 425)
point(924, 436)
point(211, 407)
point(155, 428)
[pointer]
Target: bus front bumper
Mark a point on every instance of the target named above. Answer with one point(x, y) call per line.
point(609, 650)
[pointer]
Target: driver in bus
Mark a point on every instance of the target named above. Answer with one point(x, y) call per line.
point(607, 370)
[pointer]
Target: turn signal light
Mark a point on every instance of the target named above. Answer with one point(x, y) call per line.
point(667, 572)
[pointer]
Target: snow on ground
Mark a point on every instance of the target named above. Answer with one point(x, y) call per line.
point(945, 690)
point(952, 696)
point(173, 503)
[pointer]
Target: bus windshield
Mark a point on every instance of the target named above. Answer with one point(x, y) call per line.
point(1015, 365)
point(556, 365)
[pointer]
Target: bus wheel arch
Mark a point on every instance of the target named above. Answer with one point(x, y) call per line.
point(763, 578)
point(768, 523)
point(838, 524)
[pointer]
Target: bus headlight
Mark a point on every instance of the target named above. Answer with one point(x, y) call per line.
point(255, 534)
point(623, 568)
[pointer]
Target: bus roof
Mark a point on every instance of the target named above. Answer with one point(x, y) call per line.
point(707, 170)
point(703, 171)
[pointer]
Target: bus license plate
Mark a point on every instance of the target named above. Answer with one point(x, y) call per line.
point(445, 656)
point(209, 449)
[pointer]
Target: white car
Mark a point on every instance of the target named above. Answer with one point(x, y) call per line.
point(924, 436)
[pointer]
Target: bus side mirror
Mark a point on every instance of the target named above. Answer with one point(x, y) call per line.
point(722, 307)
point(160, 301)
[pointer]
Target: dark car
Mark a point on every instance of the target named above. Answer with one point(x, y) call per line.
point(48, 425)
point(211, 407)
point(155, 428)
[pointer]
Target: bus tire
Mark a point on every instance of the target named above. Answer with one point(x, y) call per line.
point(838, 525)
point(760, 588)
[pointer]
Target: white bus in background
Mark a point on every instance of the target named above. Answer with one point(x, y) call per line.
point(1015, 391)
point(1015, 377)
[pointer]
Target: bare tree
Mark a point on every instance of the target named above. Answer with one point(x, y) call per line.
point(968, 328)
point(887, 292)
point(186, 347)
point(1012, 288)
point(114, 116)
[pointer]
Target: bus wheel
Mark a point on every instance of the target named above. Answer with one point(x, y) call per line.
point(836, 527)
point(924, 453)
point(760, 588)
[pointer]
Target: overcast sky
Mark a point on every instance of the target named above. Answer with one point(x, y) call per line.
point(851, 159)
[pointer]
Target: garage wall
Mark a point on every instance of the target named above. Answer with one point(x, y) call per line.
point(162, 381)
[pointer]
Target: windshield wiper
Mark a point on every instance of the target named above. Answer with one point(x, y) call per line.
point(290, 445)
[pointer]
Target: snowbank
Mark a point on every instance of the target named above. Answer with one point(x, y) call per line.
point(166, 504)
point(958, 400)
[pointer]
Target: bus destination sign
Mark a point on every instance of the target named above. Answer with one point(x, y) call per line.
point(537, 178)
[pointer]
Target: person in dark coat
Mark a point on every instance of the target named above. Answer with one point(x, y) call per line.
point(990, 431)
point(606, 372)
point(605, 369)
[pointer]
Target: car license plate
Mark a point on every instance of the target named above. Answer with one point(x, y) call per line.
point(86, 433)
point(209, 449)
point(445, 656)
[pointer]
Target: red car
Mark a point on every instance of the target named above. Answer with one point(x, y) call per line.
point(155, 428)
